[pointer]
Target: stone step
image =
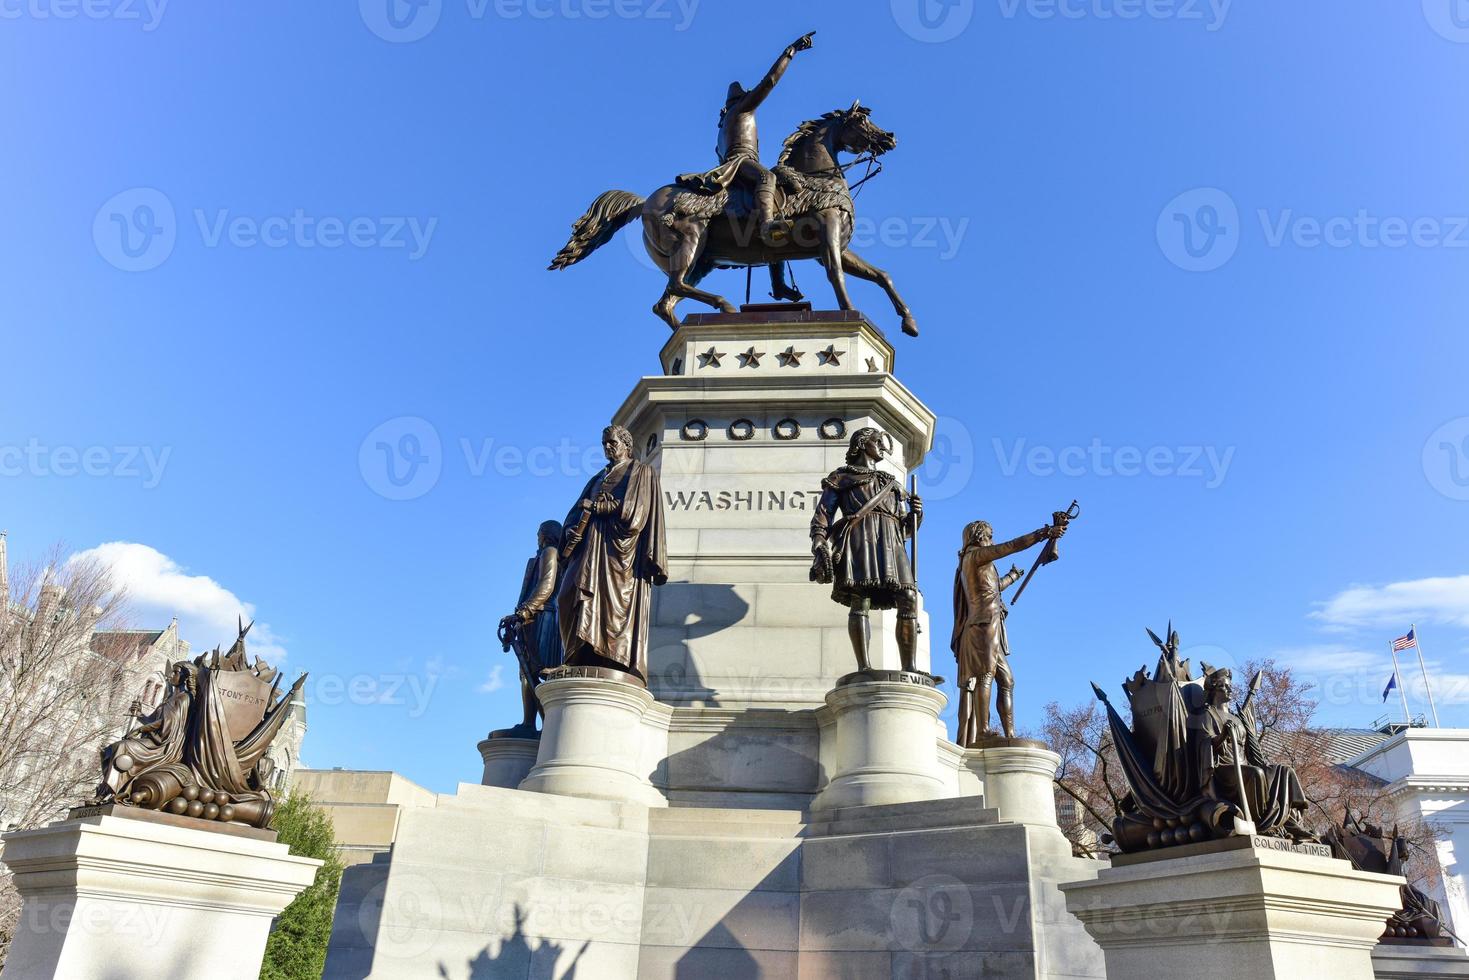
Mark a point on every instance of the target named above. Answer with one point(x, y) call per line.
point(963, 811)
point(720, 822)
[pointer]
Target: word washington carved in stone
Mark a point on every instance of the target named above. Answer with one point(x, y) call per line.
point(747, 500)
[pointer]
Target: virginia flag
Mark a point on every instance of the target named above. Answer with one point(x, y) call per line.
point(1392, 682)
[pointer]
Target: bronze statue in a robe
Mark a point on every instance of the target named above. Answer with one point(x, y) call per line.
point(615, 553)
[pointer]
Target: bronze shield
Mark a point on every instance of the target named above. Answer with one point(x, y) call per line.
point(244, 697)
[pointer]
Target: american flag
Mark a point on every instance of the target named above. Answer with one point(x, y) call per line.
point(1406, 642)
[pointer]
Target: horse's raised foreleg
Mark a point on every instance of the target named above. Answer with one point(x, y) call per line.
point(860, 268)
point(691, 237)
point(831, 256)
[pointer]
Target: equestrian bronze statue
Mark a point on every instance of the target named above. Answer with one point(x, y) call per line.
point(734, 216)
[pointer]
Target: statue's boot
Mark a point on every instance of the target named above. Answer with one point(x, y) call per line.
point(1007, 711)
point(908, 646)
point(859, 629)
point(982, 705)
point(772, 230)
point(779, 288)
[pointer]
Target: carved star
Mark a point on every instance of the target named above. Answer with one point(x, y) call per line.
point(790, 357)
point(710, 358)
point(872, 366)
point(751, 357)
point(831, 355)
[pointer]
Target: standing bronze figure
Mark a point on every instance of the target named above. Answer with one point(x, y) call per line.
point(979, 641)
point(615, 553)
point(1195, 766)
point(704, 221)
point(861, 554)
point(532, 631)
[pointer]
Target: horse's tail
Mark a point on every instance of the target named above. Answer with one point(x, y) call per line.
point(594, 229)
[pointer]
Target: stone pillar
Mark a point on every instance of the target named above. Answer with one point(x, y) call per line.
point(507, 760)
point(886, 730)
point(1240, 907)
point(1019, 781)
point(593, 738)
point(136, 893)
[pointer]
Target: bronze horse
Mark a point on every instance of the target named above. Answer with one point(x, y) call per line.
point(689, 233)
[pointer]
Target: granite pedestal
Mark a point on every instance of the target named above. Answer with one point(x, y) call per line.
point(130, 893)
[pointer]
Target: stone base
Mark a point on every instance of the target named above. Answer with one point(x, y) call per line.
point(1403, 962)
point(493, 882)
point(507, 760)
point(884, 745)
point(593, 744)
point(1235, 909)
point(132, 893)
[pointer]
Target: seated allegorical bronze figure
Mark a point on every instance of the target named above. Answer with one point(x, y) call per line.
point(1194, 764)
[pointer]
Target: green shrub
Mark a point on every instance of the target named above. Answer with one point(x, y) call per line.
point(296, 949)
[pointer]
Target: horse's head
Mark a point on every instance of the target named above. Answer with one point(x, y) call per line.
point(856, 133)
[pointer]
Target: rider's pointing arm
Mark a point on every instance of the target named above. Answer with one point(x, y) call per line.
point(757, 95)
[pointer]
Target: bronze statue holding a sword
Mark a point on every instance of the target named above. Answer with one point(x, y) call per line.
point(981, 647)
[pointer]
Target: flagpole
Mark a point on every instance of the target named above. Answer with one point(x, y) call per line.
point(1402, 691)
point(1418, 645)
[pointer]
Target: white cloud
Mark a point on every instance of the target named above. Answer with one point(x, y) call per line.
point(1443, 600)
point(159, 589)
point(495, 681)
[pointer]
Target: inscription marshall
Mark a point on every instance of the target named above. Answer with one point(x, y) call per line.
point(741, 500)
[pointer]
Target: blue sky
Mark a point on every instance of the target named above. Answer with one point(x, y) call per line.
point(1200, 266)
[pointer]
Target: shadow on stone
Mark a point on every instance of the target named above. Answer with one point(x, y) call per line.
point(515, 956)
